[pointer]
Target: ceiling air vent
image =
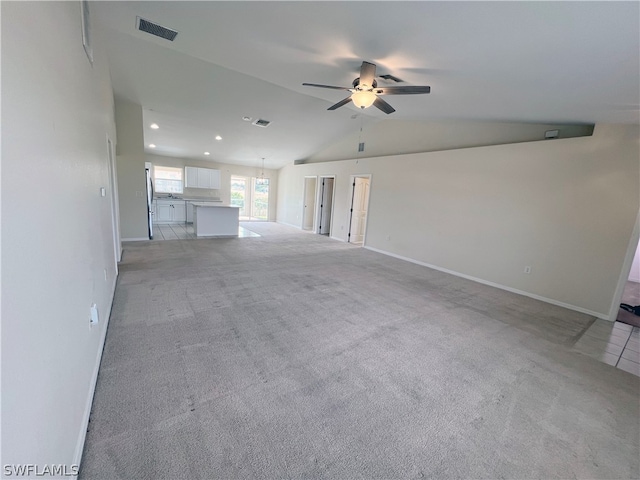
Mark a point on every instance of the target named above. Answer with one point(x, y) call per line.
point(155, 29)
point(262, 123)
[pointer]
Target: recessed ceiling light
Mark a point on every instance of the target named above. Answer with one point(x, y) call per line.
point(246, 119)
point(207, 153)
point(152, 145)
point(154, 126)
point(218, 137)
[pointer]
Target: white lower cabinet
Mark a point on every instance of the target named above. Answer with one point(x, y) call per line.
point(163, 212)
point(170, 211)
point(179, 212)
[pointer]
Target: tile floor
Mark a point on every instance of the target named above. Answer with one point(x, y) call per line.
point(184, 231)
point(614, 343)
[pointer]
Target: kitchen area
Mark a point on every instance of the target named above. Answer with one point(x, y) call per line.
point(175, 213)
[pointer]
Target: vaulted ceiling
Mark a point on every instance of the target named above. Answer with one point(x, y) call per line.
point(535, 62)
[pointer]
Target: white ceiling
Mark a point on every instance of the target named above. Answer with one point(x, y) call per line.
point(547, 62)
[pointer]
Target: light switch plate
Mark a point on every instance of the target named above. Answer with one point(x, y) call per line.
point(94, 316)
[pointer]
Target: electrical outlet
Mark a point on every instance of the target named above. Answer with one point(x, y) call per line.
point(93, 315)
point(527, 270)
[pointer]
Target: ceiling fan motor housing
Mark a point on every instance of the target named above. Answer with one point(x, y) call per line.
point(356, 83)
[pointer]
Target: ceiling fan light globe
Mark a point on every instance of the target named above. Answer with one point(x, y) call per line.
point(363, 99)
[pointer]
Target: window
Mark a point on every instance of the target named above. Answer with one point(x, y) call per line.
point(251, 194)
point(260, 206)
point(168, 179)
point(239, 193)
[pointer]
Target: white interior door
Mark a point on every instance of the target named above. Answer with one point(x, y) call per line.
point(359, 209)
point(326, 205)
point(309, 208)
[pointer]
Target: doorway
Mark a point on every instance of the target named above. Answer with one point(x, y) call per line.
point(309, 208)
point(239, 194)
point(260, 199)
point(360, 187)
point(115, 211)
point(325, 208)
point(251, 195)
point(628, 274)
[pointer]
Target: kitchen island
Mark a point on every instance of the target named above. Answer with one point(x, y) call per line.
point(211, 220)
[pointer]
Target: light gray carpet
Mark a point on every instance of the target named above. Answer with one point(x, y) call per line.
point(293, 355)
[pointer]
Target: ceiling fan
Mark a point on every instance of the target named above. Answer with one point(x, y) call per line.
point(365, 91)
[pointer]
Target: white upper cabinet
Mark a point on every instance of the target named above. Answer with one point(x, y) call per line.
point(196, 177)
point(191, 177)
point(215, 179)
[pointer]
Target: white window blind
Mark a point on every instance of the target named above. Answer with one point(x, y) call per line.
point(168, 179)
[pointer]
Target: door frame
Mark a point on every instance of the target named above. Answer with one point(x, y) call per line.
point(319, 203)
point(247, 193)
point(249, 197)
point(252, 191)
point(626, 269)
point(315, 199)
point(115, 203)
point(352, 180)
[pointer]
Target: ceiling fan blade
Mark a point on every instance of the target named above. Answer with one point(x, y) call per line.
point(340, 103)
point(402, 90)
point(367, 74)
point(324, 86)
point(384, 106)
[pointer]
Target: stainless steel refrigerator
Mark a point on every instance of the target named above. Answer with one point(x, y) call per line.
point(149, 202)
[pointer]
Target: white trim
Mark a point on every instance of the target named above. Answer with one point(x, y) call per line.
point(338, 238)
point(317, 219)
point(290, 225)
point(85, 16)
point(493, 284)
point(114, 200)
point(352, 180)
point(137, 239)
point(315, 197)
point(626, 270)
point(77, 456)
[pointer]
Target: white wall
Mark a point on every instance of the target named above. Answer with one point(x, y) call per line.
point(57, 110)
point(564, 207)
point(132, 182)
point(396, 137)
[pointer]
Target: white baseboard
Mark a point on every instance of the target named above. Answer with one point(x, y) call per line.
point(77, 457)
point(289, 225)
point(137, 239)
point(568, 306)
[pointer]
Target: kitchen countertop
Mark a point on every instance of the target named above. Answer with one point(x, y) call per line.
point(211, 204)
point(190, 199)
